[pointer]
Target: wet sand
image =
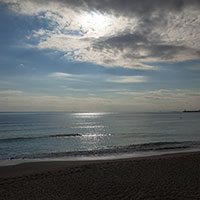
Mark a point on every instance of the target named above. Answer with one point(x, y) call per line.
point(175, 176)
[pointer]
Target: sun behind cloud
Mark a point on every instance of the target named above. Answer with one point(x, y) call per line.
point(95, 21)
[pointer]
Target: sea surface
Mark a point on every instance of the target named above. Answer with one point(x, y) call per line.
point(61, 135)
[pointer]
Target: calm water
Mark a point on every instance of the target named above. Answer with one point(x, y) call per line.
point(53, 135)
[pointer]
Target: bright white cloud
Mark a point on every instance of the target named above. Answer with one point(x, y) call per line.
point(60, 74)
point(128, 79)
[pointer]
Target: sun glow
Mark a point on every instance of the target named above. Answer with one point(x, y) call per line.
point(95, 21)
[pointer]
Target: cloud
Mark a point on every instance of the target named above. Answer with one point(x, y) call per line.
point(154, 100)
point(125, 7)
point(71, 77)
point(76, 89)
point(164, 100)
point(128, 79)
point(126, 33)
point(162, 94)
point(130, 7)
point(55, 103)
point(21, 65)
point(10, 92)
point(61, 74)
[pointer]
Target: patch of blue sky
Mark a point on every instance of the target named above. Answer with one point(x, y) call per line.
point(12, 29)
point(180, 75)
point(30, 58)
point(16, 28)
point(13, 35)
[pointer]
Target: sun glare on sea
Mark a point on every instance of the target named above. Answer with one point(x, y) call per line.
point(95, 21)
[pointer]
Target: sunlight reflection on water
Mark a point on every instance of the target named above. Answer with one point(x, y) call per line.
point(91, 133)
point(91, 113)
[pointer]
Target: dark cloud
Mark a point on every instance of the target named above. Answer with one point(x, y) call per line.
point(132, 46)
point(120, 42)
point(129, 7)
point(165, 52)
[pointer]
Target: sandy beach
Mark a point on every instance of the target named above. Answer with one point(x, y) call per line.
point(175, 176)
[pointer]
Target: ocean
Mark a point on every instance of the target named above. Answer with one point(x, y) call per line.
point(33, 136)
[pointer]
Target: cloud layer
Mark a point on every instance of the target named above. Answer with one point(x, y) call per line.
point(155, 100)
point(126, 33)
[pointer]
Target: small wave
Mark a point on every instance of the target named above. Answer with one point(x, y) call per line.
point(52, 136)
point(40, 137)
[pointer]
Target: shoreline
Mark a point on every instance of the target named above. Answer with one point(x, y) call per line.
point(96, 157)
point(28, 167)
point(109, 153)
point(170, 176)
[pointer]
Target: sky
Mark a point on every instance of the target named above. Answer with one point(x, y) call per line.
point(97, 56)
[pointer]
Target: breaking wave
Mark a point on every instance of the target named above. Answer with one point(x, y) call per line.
point(147, 147)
